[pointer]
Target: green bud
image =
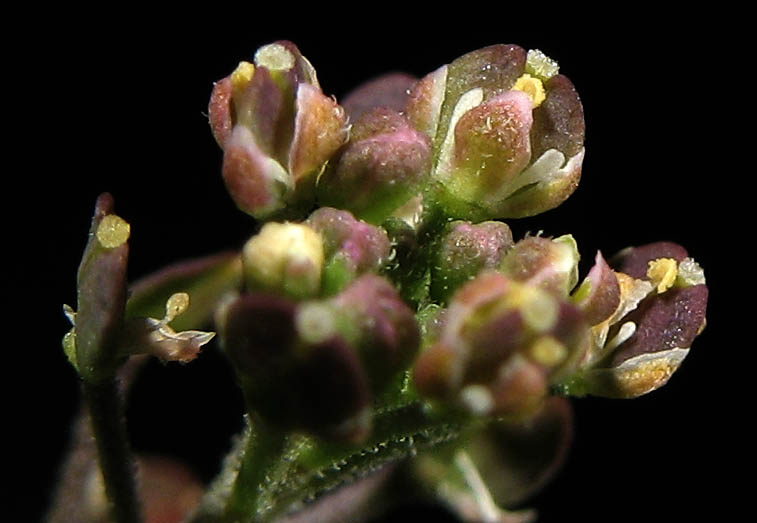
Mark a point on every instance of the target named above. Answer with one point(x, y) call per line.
point(286, 258)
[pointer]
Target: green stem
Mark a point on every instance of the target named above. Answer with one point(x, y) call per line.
point(263, 453)
point(116, 463)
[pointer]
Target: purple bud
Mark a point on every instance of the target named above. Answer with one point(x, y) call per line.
point(277, 130)
point(507, 133)
point(382, 166)
point(93, 344)
point(662, 308)
point(363, 246)
point(502, 344)
point(599, 294)
point(389, 90)
point(388, 334)
point(370, 315)
point(463, 251)
point(551, 264)
point(320, 387)
point(559, 120)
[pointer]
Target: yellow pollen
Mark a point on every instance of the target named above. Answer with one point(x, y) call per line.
point(113, 231)
point(242, 75)
point(532, 87)
point(548, 351)
point(662, 273)
point(176, 304)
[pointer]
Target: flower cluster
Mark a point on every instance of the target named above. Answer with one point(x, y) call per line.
point(405, 251)
point(383, 300)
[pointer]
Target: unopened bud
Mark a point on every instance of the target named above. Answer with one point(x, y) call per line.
point(318, 386)
point(351, 247)
point(370, 315)
point(551, 264)
point(383, 165)
point(463, 251)
point(507, 132)
point(277, 130)
point(598, 296)
point(286, 258)
point(505, 338)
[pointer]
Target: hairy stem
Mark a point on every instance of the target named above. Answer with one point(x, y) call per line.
point(114, 455)
point(264, 454)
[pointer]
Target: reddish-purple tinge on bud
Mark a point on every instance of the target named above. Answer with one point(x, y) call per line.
point(599, 294)
point(365, 246)
point(382, 166)
point(559, 120)
point(320, 387)
point(502, 344)
point(551, 264)
point(258, 334)
point(219, 111)
point(256, 182)
point(388, 335)
point(289, 129)
point(389, 90)
point(492, 143)
point(463, 251)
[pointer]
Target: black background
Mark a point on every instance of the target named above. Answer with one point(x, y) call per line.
point(118, 105)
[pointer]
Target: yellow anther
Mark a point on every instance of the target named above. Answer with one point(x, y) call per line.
point(176, 304)
point(662, 273)
point(540, 65)
point(532, 87)
point(548, 351)
point(242, 75)
point(275, 57)
point(113, 231)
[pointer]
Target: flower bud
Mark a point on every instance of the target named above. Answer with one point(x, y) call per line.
point(598, 296)
point(662, 308)
point(389, 90)
point(277, 130)
point(370, 315)
point(551, 264)
point(502, 344)
point(382, 166)
point(351, 247)
point(286, 258)
point(507, 132)
point(92, 344)
point(319, 387)
point(463, 251)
